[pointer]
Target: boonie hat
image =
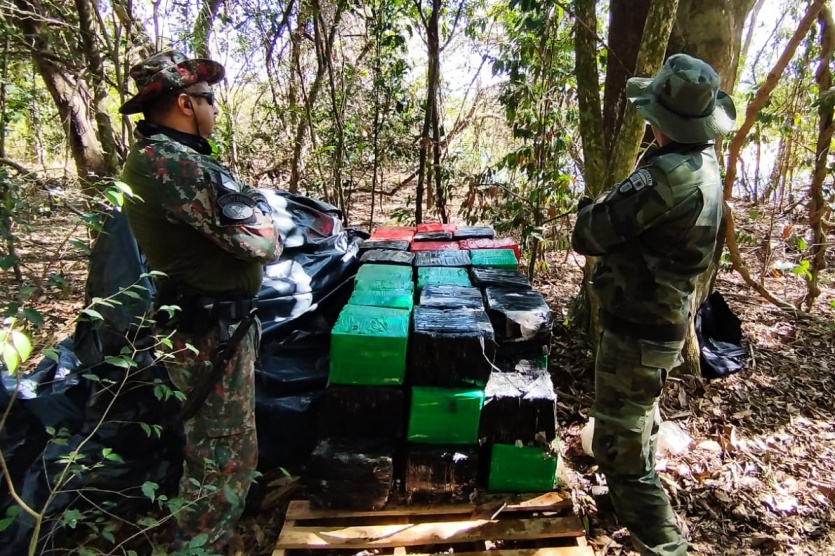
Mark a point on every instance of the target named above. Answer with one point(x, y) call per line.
point(684, 100)
point(167, 71)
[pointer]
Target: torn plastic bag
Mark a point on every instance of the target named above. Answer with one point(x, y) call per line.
point(115, 264)
point(719, 332)
point(319, 258)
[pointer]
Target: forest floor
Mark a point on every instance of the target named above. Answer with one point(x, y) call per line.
point(759, 474)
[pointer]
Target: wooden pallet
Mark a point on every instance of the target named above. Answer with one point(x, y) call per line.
point(540, 526)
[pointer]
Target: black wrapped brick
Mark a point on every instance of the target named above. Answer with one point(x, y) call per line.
point(474, 232)
point(388, 244)
point(436, 473)
point(450, 297)
point(352, 411)
point(442, 258)
point(433, 236)
point(450, 347)
point(518, 315)
point(499, 277)
point(387, 256)
point(519, 404)
point(351, 473)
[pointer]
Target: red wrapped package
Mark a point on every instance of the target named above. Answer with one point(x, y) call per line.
point(434, 246)
point(436, 227)
point(394, 232)
point(482, 243)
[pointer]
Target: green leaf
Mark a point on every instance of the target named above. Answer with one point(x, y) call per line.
point(801, 244)
point(91, 377)
point(149, 489)
point(110, 455)
point(231, 495)
point(50, 353)
point(8, 262)
point(121, 361)
point(11, 514)
point(198, 541)
point(33, 316)
point(116, 197)
point(92, 313)
point(146, 428)
point(16, 349)
point(108, 534)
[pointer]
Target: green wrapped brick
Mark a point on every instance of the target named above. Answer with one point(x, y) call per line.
point(441, 275)
point(384, 272)
point(369, 284)
point(444, 415)
point(494, 258)
point(368, 346)
point(521, 469)
point(393, 299)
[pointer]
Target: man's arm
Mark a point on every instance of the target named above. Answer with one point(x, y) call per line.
point(629, 209)
point(238, 223)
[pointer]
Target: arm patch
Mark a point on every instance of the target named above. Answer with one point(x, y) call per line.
point(636, 182)
point(236, 209)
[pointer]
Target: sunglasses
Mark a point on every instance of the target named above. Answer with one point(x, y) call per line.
point(209, 96)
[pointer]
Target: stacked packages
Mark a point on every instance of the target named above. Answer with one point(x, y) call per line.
point(444, 395)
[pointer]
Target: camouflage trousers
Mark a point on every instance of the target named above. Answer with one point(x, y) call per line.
point(221, 451)
point(629, 377)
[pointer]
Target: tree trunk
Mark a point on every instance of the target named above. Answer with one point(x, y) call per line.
point(720, 24)
point(426, 139)
point(592, 124)
point(202, 30)
point(89, 32)
point(626, 17)
point(337, 115)
point(654, 41)
point(68, 93)
point(825, 128)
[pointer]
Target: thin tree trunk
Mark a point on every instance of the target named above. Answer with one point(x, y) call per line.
point(764, 93)
point(95, 66)
point(657, 29)
point(68, 93)
point(825, 129)
point(749, 36)
point(202, 30)
point(588, 97)
point(336, 113)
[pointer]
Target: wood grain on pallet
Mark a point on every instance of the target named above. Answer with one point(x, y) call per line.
point(412, 534)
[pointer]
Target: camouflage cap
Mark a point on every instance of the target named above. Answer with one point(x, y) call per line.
point(166, 71)
point(684, 100)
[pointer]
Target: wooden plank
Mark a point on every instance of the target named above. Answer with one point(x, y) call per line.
point(551, 551)
point(412, 534)
point(281, 551)
point(550, 501)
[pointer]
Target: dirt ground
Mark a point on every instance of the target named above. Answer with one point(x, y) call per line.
point(757, 477)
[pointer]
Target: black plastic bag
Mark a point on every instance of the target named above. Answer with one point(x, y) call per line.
point(719, 332)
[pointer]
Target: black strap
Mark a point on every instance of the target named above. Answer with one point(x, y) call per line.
point(197, 396)
point(653, 332)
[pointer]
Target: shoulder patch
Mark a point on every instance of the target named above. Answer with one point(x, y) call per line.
point(636, 182)
point(236, 209)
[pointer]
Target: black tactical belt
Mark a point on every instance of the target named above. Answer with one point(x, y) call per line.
point(652, 332)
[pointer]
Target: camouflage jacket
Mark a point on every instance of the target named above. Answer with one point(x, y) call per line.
point(192, 219)
point(654, 234)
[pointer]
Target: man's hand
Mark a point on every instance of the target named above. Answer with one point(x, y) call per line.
point(584, 202)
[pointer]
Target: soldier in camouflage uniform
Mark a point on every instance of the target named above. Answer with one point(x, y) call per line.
point(211, 236)
point(653, 235)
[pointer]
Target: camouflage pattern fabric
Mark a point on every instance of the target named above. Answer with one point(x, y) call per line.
point(168, 70)
point(208, 232)
point(194, 220)
point(221, 452)
point(629, 377)
point(654, 234)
